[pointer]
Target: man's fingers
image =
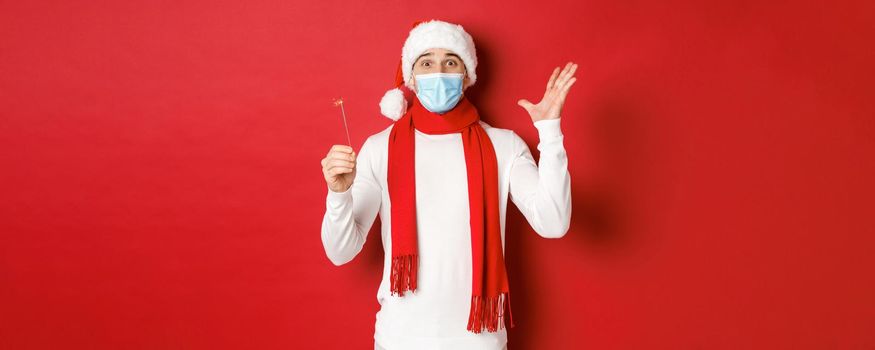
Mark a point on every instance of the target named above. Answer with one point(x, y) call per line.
point(341, 155)
point(337, 170)
point(573, 70)
point(340, 170)
point(564, 72)
point(566, 88)
point(339, 162)
point(559, 79)
point(563, 77)
point(553, 78)
point(341, 148)
point(568, 75)
point(567, 85)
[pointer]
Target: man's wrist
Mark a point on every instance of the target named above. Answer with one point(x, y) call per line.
point(548, 128)
point(339, 196)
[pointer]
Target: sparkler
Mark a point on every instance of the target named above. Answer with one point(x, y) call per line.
point(339, 102)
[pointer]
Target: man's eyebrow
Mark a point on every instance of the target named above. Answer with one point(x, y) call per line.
point(431, 53)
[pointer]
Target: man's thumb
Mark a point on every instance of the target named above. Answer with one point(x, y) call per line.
point(525, 104)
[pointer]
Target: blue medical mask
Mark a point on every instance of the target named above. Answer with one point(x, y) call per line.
point(439, 92)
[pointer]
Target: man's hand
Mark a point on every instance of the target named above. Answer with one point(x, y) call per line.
point(338, 167)
point(554, 97)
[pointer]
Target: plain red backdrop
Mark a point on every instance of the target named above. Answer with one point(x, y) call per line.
point(161, 189)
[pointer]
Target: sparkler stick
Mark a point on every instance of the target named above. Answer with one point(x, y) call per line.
point(339, 102)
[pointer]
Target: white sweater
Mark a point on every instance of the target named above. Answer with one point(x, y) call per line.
point(436, 315)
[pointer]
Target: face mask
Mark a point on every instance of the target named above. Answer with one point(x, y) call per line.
point(439, 92)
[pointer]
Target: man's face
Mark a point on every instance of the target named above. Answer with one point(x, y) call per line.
point(439, 61)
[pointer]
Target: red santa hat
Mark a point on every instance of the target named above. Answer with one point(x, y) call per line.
point(427, 35)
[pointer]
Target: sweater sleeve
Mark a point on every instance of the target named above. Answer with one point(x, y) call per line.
point(349, 215)
point(543, 193)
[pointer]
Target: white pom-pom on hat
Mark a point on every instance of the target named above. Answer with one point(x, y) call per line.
point(426, 35)
point(393, 104)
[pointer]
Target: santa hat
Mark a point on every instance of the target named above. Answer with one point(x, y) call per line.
point(427, 35)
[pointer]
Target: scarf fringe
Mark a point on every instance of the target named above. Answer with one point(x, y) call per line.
point(489, 313)
point(403, 276)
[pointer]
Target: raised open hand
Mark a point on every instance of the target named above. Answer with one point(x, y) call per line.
point(554, 97)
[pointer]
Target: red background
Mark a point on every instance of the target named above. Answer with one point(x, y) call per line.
point(161, 189)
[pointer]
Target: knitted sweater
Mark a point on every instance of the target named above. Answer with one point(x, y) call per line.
point(436, 315)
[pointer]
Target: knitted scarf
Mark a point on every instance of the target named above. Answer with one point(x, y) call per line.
point(490, 297)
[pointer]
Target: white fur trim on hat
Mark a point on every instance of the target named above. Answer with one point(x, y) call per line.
point(393, 104)
point(429, 35)
point(443, 35)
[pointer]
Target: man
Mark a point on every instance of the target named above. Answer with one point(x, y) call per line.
point(440, 178)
